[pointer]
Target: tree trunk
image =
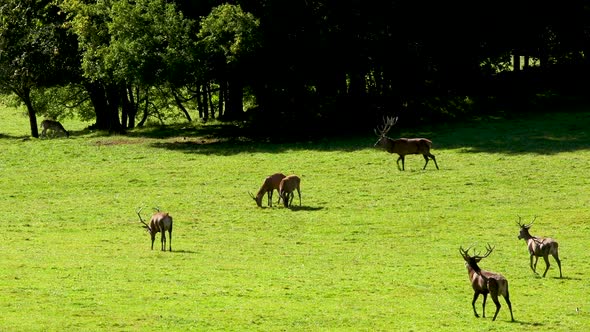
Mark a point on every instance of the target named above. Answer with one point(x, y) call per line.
point(235, 100)
point(106, 106)
point(205, 102)
point(181, 106)
point(129, 109)
point(516, 62)
point(26, 98)
point(221, 100)
point(210, 98)
point(145, 111)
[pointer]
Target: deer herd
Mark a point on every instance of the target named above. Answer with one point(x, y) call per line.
point(483, 282)
point(486, 282)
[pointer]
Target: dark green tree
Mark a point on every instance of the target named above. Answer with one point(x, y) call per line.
point(36, 51)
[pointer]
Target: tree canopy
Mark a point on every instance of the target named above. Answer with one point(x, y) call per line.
point(311, 61)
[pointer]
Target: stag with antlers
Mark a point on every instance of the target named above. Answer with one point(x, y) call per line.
point(403, 146)
point(485, 282)
point(539, 247)
point(160, 222)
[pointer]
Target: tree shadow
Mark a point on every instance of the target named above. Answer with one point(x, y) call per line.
point(539, 133)
point(547, 133)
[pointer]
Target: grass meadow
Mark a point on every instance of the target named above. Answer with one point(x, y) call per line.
point(370, 249)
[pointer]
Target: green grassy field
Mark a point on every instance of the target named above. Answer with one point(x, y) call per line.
point(370, 249)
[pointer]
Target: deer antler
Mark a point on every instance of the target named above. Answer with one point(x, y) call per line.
point(529, 225)
point(140, 219)
point(464, 253)
point(489, 250)
point(387, 124)
point(520, 224)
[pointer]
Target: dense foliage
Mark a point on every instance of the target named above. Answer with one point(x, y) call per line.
point(310, 62)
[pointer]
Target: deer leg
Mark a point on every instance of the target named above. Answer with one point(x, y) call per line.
point(153, 239)
point(475, 296)
point(556, 256)
point(493, 286)
point(170, 236)
point(425, 158)
point(483, 307)
point(269, 196)
point(546, 258)
point(535, 266)
point(433, 159)
point(163, 240)
point(498, 305)
point(299, 193)
point(402, 159)
point(507, 298)
point(279, 200)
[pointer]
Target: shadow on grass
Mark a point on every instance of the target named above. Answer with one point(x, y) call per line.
point(523, 323)
point(547, 133)
point(530, 133)
point(184, 252)
point(304, 208)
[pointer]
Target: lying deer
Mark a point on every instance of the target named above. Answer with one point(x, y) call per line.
point(287, 186)
point(160, 222)
point(270, 184)
point(539, 247)
point(403, 146)
point(54, 126)
point(484, 282)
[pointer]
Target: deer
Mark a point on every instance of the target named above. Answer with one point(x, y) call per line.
point(403, 146)
point(539, 247)
point(287, 186)
point(270, 184)
point(160, 222)
point(54, 126)
point(485, 282)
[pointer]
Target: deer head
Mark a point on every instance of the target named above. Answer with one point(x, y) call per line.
point(473, 260)
point(258, 200)
point(381, 131)
point(524, 228)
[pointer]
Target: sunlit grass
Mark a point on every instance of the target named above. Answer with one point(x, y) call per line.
point(371, 248)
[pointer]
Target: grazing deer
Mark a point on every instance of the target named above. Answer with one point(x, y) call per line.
point(403, 146)
point(160, 222)
point(270, 184)
point(539, 247)
point(286, 188)
point(54, 126)
point(484, 282)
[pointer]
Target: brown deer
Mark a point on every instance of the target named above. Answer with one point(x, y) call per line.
point(403, 146)
point(287, 186)
point(539, 247)
point(270, 184)
point(54, 126)
point(484, 282)
point(160, 222)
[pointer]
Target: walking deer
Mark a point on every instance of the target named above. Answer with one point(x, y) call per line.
point(539, 247)
point(288, 185)
point(270, 184)
point(160, 222)
point(484, 282)
point(403, 146)
point(54, 126)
